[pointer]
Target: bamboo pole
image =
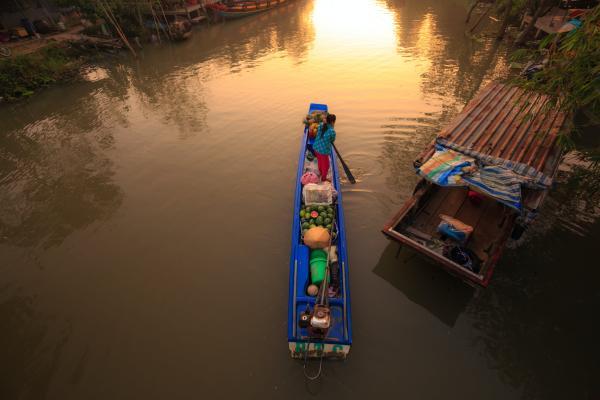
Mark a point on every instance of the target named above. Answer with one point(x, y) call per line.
point(156, 22)
point(118, 26)
point(166, 21)
point(473, 6)
point(113, 21)
point(139, 15)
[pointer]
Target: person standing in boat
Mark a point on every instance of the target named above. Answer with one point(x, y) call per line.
point(322, 145)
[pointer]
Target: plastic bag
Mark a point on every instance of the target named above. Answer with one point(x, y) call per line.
point(318, 194)
point(309, 177)
point(333, 257)
point(330, 185)
point(311, 166)
point(316, 238)
point(454, 228)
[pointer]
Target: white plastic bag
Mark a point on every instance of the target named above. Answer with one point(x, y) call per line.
point(317, 194)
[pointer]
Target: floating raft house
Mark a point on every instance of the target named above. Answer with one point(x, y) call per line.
point(504, 130)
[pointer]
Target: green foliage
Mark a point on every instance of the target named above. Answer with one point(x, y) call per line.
point(517, 7)
point(572, 73)
point(520, 55)
point(20, 76)
point(125, 12)
point(87, 7)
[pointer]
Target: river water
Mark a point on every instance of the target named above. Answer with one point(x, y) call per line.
point(145, 222)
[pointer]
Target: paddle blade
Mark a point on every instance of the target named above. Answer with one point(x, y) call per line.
point(345, 166)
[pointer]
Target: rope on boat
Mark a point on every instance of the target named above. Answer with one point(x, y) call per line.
point(314, 377)
point(322, 299)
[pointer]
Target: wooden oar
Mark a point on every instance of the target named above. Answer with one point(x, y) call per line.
point(345, 166)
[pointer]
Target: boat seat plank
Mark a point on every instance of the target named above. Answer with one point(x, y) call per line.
point(451, 204)
point(436, 197)
point(470, 213)
point(488, 230)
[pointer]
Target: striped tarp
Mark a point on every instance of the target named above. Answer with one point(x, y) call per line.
point(500, 183)
point(530, 176)
point(449, 167)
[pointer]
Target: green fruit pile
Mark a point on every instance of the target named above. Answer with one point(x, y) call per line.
point(321, 216)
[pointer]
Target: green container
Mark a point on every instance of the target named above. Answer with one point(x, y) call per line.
point(318, 266)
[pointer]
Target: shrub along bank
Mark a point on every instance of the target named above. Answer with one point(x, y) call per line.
point(22, 75)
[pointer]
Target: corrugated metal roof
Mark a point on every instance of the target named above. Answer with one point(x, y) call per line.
point(510, 123)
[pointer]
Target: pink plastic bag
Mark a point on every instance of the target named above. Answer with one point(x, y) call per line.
point(309, 177)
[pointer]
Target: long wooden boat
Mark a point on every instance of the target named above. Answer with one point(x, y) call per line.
point(507, 139)
point(303, 342)
point(240, 9)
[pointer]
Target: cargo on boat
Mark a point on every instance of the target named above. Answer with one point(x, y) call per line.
point(484, 178)
point(319, 321)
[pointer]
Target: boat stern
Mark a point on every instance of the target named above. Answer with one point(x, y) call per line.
point(315, 350)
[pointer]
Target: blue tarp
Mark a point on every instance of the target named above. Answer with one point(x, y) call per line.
point(496, 178)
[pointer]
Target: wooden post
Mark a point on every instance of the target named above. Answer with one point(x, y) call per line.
point(538, 13)
point(505, 20)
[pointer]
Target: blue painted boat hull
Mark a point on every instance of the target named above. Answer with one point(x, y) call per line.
point(339, 337)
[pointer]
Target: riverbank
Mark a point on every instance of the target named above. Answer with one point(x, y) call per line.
point(23, 75)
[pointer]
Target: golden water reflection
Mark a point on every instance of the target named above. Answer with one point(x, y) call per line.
point(364, 25)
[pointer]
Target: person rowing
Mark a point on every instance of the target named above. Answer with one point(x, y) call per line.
point(322, 145)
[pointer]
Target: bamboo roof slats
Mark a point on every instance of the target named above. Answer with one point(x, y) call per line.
point(510, 123)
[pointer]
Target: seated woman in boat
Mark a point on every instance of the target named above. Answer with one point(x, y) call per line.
point(322, 145)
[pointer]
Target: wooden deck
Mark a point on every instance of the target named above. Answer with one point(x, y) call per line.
point(487, 219)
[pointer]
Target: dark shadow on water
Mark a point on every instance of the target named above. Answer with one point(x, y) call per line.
point(443, 295)
point(315, 387)
point(30, 350)
point(537, 321)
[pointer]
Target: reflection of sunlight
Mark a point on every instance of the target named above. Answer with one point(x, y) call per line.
point(360, 23)
point(356, 51)
point(95, 74)
point(424, 36)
